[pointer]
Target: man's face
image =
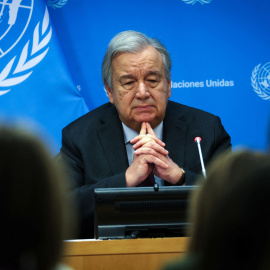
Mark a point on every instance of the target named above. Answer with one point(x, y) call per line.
point(140, 88)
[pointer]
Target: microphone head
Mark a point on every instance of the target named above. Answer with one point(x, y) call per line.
point(196, 133)
point(197, 139)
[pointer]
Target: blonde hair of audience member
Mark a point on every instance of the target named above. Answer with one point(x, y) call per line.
point(31, 204)
point(230, 213)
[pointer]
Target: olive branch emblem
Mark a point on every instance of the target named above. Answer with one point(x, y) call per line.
point(28, 58)
point(255, 84)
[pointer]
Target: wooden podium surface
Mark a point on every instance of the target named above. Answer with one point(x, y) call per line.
point(123, 254)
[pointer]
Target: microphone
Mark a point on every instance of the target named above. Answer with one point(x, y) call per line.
point(198, 141)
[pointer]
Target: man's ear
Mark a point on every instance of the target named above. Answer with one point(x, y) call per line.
point(169, 88)
point(109, 93)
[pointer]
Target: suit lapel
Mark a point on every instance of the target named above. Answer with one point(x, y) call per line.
point(179, 132)
point(174, 135)
point(112, 141)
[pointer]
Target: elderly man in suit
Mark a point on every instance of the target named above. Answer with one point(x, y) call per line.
point(140, 136)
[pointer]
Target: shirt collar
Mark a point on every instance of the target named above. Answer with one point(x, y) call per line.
point(129, 133)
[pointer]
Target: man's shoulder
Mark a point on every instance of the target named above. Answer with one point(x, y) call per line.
point(179, 109)
point(94, 116)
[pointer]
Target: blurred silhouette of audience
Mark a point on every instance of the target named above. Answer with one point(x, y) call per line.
point(33, 217)
point(230, 215)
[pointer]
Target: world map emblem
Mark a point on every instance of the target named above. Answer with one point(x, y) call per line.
point(260, 80)
point(192, 2)
point(14, 19)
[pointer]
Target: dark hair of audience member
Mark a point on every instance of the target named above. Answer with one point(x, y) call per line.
point(230, 213)
point(31, 204)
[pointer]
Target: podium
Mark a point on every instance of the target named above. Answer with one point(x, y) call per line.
point(126, 254)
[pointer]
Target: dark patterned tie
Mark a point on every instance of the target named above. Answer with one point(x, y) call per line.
point(148, 182)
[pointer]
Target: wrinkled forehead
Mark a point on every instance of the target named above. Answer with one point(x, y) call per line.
point(146, 60)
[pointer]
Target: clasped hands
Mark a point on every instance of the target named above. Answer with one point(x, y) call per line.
point(150, 156)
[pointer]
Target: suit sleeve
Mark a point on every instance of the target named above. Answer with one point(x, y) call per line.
point(71, 158)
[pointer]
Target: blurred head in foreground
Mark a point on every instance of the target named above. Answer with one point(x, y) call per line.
point(230, 213)
point(31, 203)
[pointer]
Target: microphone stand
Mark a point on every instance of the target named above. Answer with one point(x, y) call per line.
point(198, 140)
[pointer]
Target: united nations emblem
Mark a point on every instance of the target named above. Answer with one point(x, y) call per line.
point(192, 2)
point(260, 81)
point(56, 3)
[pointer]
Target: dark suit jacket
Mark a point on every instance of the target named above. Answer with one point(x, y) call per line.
point(95, 155)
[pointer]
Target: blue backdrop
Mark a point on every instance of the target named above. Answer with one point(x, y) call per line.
point(219, 49)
